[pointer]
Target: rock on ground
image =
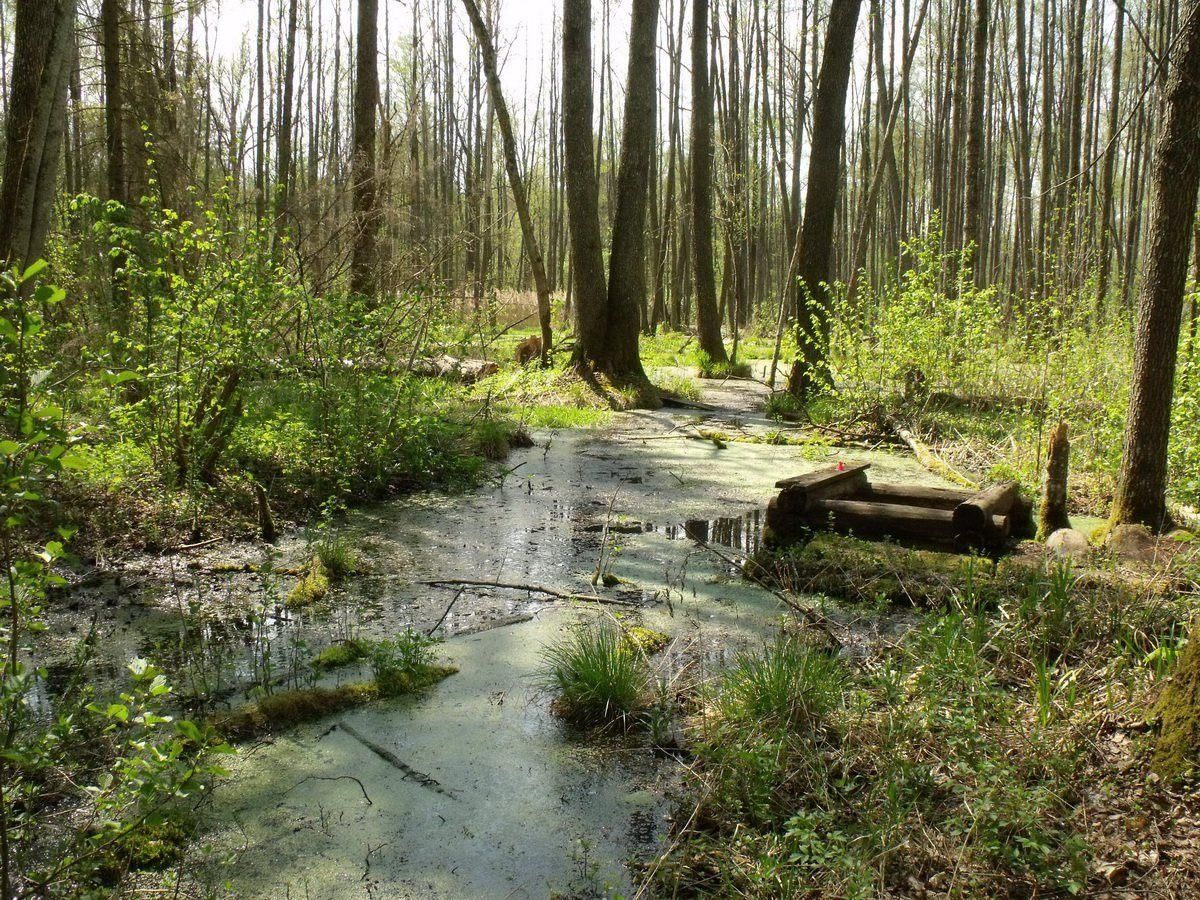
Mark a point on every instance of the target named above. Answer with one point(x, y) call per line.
point(1132, 542)
point(1068, 543)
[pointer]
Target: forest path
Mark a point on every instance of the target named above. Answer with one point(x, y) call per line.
point(530, 806)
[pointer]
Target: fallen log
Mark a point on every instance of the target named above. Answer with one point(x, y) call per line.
point(915, 495)
point(930, 460)
point(531, 588)
point(974, 515)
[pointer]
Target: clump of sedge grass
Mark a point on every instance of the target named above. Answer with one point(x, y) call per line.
point(711, 368)
point(598, 675)
point(788, 685)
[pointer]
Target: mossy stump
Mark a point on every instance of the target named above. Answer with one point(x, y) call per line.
point(1177, 750)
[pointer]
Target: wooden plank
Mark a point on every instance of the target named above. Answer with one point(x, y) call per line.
point(916, 495)
point(820, 477)
point(975, 514)
point(797, 492)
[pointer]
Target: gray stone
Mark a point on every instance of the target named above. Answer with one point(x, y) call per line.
point(1067, 543)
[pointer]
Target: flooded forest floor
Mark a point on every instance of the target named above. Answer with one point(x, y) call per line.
point(474, 787)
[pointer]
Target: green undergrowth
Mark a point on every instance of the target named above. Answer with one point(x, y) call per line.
point(882, 573)
point(961, 758)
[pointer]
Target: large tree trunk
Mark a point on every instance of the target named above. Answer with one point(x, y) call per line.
point(1141, 488)
point(36, 112)
point(533, 248)
point(583, 207)
point(708, 318)
point(811, 369)
point(364, 266)
point(976, 174)
point(627, 261)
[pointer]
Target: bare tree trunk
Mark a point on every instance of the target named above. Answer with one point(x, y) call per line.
point(976, 170)
point(627, 261)
point(811, 370)
point(708, 319)
point(583, 207)
point(364, 265)
point(36, 112)
point(1142, 483)
point(283, 150)
point(532, 247)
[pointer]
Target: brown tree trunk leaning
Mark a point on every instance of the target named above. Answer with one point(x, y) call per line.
point(364, 265)
point(33, 130)
point(708, 318)
point(579, 165)
point(533, 248)
point(1142, 482)
point(1053, 515)
point(811, 370)
point(627, 261)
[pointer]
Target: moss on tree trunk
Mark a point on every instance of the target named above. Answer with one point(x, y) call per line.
point(1178, 746)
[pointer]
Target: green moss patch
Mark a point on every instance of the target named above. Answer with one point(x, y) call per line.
point(311, 588)
point(343, 653)
point(645, 639)
point(278, 712)
point(1178, 748)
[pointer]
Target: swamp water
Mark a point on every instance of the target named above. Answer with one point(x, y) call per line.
point(494, 796)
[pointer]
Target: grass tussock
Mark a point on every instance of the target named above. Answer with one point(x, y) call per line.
point(598, 676)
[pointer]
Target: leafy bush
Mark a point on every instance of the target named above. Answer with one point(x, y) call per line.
point(80, 786)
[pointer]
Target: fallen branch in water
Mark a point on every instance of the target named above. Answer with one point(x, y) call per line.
point(426, 781)
point(332, 778)
point(930, 460)
point(531, 588)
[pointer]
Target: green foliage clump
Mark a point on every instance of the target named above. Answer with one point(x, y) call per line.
point(598, 677)
point(707, 367)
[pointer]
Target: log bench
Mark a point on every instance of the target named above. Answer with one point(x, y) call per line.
point(841, 498)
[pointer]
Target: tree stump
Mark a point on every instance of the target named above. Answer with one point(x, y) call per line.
point(1054, 495)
